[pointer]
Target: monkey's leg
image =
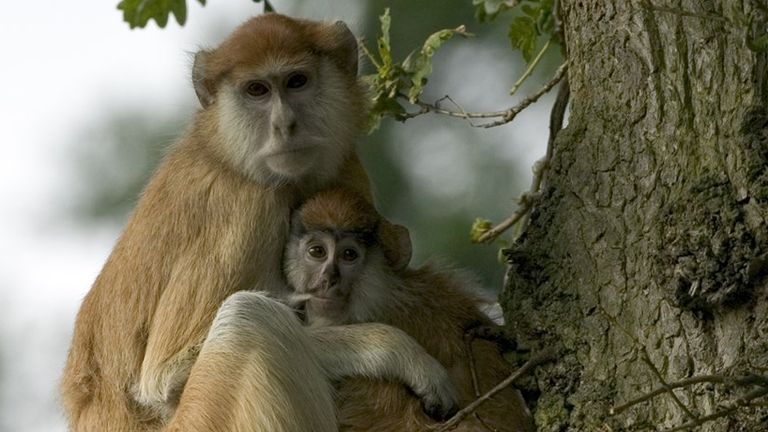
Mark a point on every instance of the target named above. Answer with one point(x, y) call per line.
point(376, 350)
point(256, 372)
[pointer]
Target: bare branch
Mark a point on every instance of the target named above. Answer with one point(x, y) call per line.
point(647, 360)
point(531, 67)
point(543, 356)
point(526, 201)
point(667, 388)
point(742, 402)
point(502, 117)
point(511, 113)
point(495, 232)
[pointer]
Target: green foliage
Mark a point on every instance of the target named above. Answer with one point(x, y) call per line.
point(137, 13)
point(527, 31)
point(532, 25)
point(522, 35)
point(418, 65)
point(394, 80)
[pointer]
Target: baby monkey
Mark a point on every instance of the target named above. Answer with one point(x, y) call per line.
point(348, 265)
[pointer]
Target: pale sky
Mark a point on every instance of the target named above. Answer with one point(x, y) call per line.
point(63, 66)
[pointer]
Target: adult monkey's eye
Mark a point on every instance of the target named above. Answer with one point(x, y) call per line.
point(296, 81)
point(256, 88)
point(317, 252)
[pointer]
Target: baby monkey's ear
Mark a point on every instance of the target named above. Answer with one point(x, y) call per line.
point(396, 242)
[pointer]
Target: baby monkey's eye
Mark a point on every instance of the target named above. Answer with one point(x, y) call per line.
point(317, 252)
point(350, 255)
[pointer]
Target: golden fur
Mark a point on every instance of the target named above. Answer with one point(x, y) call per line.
point(433, 306)
point(205, 227)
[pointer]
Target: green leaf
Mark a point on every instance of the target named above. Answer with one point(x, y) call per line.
point(393, 80)
point(479, 227)
point(383, 107)
point(419, 65)
point(386, 21)
point(387, 82)
point(137, 13)
point(523, 36)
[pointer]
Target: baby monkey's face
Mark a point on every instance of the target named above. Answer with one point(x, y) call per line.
point(324, 269)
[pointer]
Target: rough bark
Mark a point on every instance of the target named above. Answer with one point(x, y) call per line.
point(644, 258)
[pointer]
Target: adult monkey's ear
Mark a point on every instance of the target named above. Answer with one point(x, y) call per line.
point(202, 82)
point(338, 42)
point(396, 242)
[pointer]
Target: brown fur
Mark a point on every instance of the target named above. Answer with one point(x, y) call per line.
point(345, 211)
point(432, 306)
point(436, 308)
point(201, 231)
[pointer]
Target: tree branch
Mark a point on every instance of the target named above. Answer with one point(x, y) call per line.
point(543, 356)
point(526, 201)
point(667, 388)
point(502, 117)
point(745, 380)
point(741, 402)
point(530, 68)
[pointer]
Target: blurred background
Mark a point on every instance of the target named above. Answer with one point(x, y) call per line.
point(88, 107)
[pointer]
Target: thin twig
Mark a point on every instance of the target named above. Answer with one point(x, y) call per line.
point(738, 404)
point(556, 119)
point(493, 233)
point(502, 117)
point(531, 67)
point(513, 112)
point(647, 360)
point(485, 425)
point(456, 104)
point(667, 388)
point(434, 108)
point(543, 356)
point(526, 201)
point(368, 54)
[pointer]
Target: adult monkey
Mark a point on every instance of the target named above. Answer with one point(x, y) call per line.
point(281, 108)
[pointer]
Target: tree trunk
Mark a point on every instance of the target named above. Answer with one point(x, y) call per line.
point(644, 258)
